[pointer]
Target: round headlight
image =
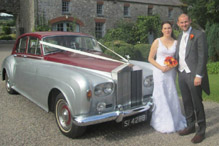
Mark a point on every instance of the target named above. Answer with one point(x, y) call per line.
point(103, 89)
point(98, 91)
point(108, 88)
point(148, 81)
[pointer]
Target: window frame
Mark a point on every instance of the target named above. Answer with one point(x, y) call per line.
point(37, 50)
point(65, 7)
point(64, 26)
point(170, 12)
point(99, 32)
point(18, 46)
point(150, 10)
point(100, 9)
point(126, 10)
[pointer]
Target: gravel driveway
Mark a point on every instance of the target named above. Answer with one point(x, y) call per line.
point(24, 123)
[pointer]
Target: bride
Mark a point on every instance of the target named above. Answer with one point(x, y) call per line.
point(167, 116)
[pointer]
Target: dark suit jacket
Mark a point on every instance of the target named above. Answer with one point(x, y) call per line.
point(196, 56)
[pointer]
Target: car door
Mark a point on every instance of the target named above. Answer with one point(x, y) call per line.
point(26, 66)
point(19, 57)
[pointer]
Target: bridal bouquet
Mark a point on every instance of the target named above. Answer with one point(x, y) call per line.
point(170, 61)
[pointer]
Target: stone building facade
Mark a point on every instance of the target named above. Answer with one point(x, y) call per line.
point(89, 16)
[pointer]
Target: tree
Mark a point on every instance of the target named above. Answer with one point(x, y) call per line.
point(134, 33)
point(213, 41)
point(203, 11)
point(123, 31)
point(146, 24)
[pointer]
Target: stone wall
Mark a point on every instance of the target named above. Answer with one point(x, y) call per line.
point(29, 13)
point(85, 11)
point(10, 6)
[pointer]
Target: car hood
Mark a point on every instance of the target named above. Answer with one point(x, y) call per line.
point(83, 61)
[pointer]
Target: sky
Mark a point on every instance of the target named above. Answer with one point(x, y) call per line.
point(5, 14)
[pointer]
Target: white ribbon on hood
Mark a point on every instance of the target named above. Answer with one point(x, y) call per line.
point(85, 53)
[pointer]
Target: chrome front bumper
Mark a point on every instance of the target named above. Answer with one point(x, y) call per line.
point(115, 115)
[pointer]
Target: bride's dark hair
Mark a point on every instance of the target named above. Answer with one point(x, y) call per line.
point(168, 22)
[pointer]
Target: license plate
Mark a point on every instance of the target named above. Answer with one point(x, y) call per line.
point(134, 120)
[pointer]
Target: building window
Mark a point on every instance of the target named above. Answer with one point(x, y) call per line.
point(170, 12)
point(66, 26)
point(150, 10)
point(65, 6)
point(60, 27)
point(100, 9)
point(99, 30)
point(126, 10)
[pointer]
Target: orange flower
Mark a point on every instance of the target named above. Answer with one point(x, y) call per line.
point(191, 36)
point(170, 61)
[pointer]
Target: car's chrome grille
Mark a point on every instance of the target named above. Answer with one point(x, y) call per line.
point(123, 88)
point(136, 87)
point(129, 87)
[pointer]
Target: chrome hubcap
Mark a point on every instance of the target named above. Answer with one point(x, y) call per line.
point(8, 86)
point(64, 115)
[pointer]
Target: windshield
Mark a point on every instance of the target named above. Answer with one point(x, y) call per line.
point(82, 43)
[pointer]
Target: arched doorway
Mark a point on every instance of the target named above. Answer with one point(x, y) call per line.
point(66, 23)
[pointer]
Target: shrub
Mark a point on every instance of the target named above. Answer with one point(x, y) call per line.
point(123, 32)
point(42, 24)
point(6, 29)
point(6, 37)
point(213, 68)
point(123, 49)
point(212, 32)
point(133, 33)
point(11, 22)
point(13, 36)
point(146, 24)
point(42, 28)
point(176, 33)
point(144, 50)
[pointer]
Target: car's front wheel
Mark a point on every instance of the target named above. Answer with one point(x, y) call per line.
point(64, 118)
point(8, 85)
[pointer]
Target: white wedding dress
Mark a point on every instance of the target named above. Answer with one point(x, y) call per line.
point(167, 116)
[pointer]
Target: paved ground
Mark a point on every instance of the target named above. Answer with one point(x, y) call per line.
point(24, 123)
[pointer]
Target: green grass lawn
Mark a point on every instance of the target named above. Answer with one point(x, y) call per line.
point(214, 88)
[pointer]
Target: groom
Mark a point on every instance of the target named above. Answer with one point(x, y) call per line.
point(192, 55)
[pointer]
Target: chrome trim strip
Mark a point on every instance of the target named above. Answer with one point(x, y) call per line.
point(116, 115)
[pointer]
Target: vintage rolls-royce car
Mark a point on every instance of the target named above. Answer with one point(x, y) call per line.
point(68, 74)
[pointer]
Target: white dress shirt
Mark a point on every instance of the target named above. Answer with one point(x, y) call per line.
point(182, 51)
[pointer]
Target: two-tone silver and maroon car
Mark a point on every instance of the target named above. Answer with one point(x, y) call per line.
point(67, 73)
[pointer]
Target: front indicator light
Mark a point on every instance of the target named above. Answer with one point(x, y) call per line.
point(89, 94)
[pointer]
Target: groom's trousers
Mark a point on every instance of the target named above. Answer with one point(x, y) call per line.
point(192, 100)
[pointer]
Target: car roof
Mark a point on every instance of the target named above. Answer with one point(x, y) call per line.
point(53, 33)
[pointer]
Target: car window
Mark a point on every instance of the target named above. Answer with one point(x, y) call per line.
point(74, 42)
point(33, 46)
point(21, 46)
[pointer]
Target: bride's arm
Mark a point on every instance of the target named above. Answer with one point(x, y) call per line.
point(152, 54)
